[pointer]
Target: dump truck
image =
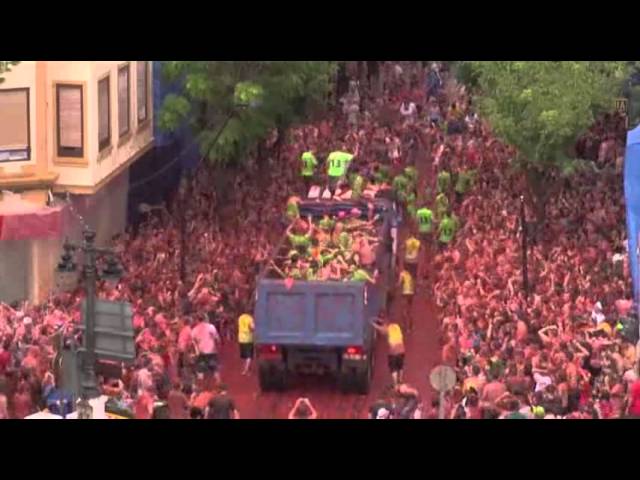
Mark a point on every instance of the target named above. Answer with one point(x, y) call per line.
point(323, 327)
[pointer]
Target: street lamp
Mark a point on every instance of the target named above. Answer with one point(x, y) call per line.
point(67, 272)
point(112, 272)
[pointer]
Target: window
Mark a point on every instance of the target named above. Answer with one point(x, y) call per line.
point(14, 125)
point(143, 90)
point(124, 100)
point(104, 114)
point(70, 118)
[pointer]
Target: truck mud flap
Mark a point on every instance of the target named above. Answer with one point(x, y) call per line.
point(352, 379)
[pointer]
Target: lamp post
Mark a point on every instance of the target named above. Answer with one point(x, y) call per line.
point(523, 228)
point(113, 271)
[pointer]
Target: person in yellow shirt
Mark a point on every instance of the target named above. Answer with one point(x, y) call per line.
point(246, 326)
point(395, 339)
point(411, 255)
point(407, 285)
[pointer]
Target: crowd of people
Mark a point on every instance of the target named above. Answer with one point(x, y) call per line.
point(557, 351)
point(179, 325)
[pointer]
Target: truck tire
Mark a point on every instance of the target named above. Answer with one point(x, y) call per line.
point(344, 382)
point(362, 381)
point(279, 378)
point(358, 381)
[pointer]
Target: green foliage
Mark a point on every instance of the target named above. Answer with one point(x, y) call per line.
point(6, 67)
point(465, 74)
point(541, 107)
point(278, 94)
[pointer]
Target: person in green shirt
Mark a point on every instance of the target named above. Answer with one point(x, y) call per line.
point(344, 241)
point(446, 230)
point(326, 257)
point(400, 187)
point(311, 273)
point(380, 174)
point(309, 164)
point(298, 239)
point(463, 182)
point(412, 175)
point(424, 219)
point(293, 213)
point(361, 275)
point(444, 181)
point(411, 205)
point(295, 273)
point(337, 165)
point(327, 223)
point(357, 187)
point(456, 222)
point(442, 205)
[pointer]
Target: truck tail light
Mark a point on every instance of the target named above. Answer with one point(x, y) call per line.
point(354, 352)
point(269, 350)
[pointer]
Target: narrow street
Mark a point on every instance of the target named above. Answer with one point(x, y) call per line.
point(423, 353)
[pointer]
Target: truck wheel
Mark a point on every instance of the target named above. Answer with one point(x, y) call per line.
point(272, 377)
point(362, 381)
point(358, 381)
point(344, 382)
point(279, 378)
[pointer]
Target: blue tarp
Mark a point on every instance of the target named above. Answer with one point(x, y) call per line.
point(632, 200)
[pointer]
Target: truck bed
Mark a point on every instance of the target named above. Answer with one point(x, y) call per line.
point(317, 209)
point(310, 313)
point(322, 312)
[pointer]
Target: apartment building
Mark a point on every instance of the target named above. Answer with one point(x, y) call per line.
point(66, 127)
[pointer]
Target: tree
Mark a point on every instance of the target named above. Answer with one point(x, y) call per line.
point(6, 67)
point(283, 92)
point(541, 107)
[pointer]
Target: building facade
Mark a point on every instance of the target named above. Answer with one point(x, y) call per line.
point(66, 127)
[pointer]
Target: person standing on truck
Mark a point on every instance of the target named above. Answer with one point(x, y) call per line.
point(395, 339)
point(407, 284)
point(246, 326)
point(337, 166)
point(206, 340)
point(299, 240)
point(293, 212)
point(357, 186)
point(309, 164)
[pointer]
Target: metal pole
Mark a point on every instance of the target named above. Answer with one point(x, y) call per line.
point(525, 272)
point(441, 406)
point(89, 381)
